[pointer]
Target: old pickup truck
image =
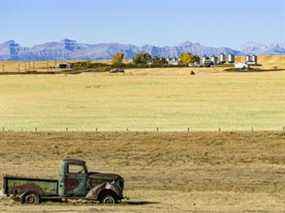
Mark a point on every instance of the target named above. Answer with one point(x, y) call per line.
point(75, 182)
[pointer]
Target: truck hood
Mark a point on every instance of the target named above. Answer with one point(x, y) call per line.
point(97, 178)
point(104, 176)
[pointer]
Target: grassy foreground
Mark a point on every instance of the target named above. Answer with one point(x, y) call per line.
point(175, 172)
point(170, 99)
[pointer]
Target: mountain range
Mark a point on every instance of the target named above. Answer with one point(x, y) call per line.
point(68, 49)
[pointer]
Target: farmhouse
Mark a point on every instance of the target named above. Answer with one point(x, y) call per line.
point(242, 66)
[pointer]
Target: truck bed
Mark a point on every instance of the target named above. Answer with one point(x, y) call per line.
point(17, 185)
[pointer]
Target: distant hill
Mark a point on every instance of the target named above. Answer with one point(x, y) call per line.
point(263, 49)
point(68, 49)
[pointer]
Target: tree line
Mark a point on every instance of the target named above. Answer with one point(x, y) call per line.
point(147, 60)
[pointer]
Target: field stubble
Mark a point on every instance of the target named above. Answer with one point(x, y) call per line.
point(178, 172)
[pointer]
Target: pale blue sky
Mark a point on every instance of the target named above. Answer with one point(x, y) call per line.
point(161, 22)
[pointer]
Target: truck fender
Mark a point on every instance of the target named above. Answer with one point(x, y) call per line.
point(95, 192)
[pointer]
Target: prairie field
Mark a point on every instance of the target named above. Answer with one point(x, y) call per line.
point(144, 99)
point(111, 121)
point(168, 171)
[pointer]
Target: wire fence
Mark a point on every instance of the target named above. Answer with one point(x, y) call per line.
point(154, 129)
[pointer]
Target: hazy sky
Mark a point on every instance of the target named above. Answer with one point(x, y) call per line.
point(161, 22)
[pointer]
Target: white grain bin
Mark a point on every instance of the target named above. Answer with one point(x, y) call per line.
point(248, 58)
point(231, 58)
point(204, 60)
point(214, 59)
point(222, 58)
point(254, 59)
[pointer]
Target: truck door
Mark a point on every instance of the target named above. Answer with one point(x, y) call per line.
point(75, 180)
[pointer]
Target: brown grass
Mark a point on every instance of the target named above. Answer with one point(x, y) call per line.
point(163, 167)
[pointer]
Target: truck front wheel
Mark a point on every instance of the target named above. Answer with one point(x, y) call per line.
point(109, 199)
point(30, 198)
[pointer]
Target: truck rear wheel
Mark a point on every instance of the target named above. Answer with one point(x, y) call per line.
point(30, 198)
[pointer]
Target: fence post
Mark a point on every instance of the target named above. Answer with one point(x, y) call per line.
point(19, 67)
point(3, 68)
point(157, 129)
point(127, 129)
point(252, 129)
point(219, 130)
point(3, 129)
point(66, 129)
point(36, 129)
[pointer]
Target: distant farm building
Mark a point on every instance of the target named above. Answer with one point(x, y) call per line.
point(242, 66)
point(231, 59)
point(214, 59)
point(251, 59)
point(206, 61)
point(173, 61)
point(222, 58)
point(64, 66)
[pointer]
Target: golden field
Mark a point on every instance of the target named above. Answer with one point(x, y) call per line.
point(144, 99)
point(171, 170)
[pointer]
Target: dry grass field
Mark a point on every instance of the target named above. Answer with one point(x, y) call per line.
point(173, 172)
point(144, 99)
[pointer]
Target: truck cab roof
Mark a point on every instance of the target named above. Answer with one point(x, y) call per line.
point(74, 161)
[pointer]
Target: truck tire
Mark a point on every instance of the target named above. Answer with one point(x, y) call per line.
point(30, 198)
point(109, 199)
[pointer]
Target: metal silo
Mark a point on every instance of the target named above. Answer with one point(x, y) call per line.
point(204, 60)
point(248, 58)
point(254, 59)
point(222, 58)
point(214, 59)
point(231, 58)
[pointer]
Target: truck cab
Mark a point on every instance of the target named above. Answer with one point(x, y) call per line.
point(76, 181)
point(73, 176)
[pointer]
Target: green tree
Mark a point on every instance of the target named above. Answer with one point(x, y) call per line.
point(186, 58)
point(142, 58)
point(195, 58)
point(117, 60)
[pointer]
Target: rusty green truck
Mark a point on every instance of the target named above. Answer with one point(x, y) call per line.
point(75, 182)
